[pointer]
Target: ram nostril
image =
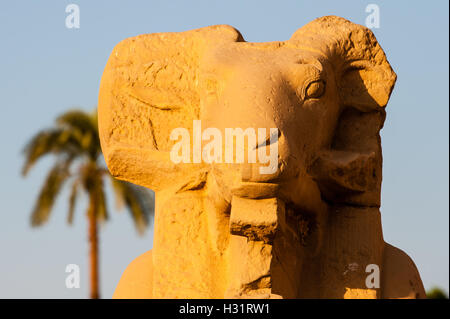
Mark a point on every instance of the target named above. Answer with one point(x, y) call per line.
point(271, 139)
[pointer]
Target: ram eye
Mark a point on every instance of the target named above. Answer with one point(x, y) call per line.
point(315, 89)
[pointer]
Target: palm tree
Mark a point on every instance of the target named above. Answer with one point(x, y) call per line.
point(75, 142)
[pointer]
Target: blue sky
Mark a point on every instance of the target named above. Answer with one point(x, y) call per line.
point(47, 68)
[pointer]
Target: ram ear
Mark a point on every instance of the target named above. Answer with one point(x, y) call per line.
point(148, 88)
point(366, 86)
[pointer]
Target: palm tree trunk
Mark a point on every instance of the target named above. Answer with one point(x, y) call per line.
point(93, 241)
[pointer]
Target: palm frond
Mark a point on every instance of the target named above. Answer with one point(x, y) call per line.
point(49, 191)
point(138, 200)
point(119, 197)
point(78, 120)
point(57, 141)
point(86, 124)
point(72, 201)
